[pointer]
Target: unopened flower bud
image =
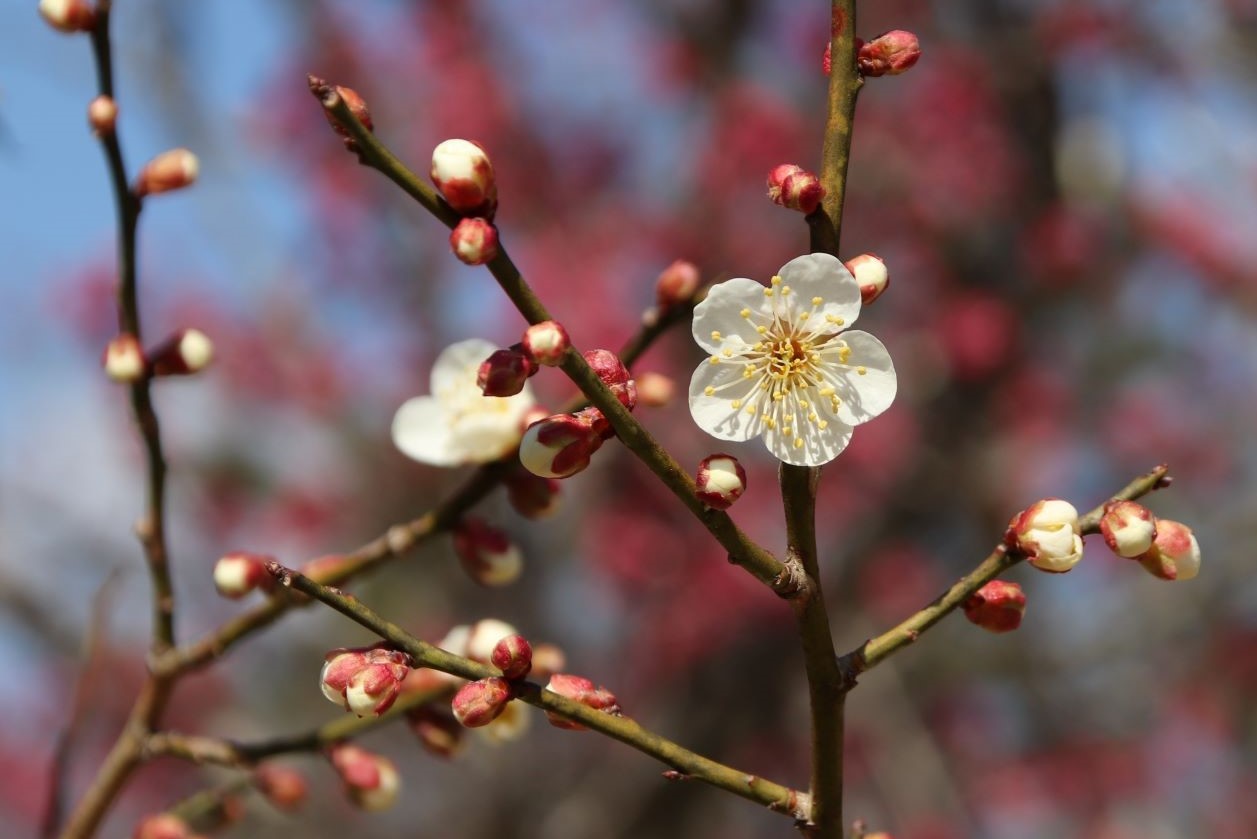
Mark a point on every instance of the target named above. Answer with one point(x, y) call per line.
point(1174, 555)
point(239, 572)
point(1128, 528)
point(162, 826)
point(654, 390)
point(870, 275)
point(371, 780)
point(438, 732)
point(559, 446)
point(889, 54)
point(547, 659)
point(124, 359)
point(483, 636)
point(997, 606)
point(69, 16)
point(170, 170)
point(474, 241)
point(486, 553)
point(463, 174)
point(480, 702)
point(546, 342)
point(364, 680)
point(186, 352)
point(102, 115)
point(614, 375)
point(283, 786)
point(721, 480)
point(513, 656)
point(511, 724)
point(677, 284)
point(795, 188)
point(582, 690)
point(504, 372)
point(1047, 533)
point(357, 107)
point(532, 496)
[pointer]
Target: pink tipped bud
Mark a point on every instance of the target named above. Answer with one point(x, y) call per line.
point(124, 359)
point(438, 732)
point(677, 284)
point(654, 390)
point(889, 54)
point(371, 780)
point(69, 16)
point(464, 176)
point(513, 656)
point(170, 170)
point(357, 107)
point(487, 554)
point(582, 690)
point(795, 188)
point(480, 702)
point(532, 496)
point(102, 115)
point(238, 573)
point(997, 606)
point(546, 342)
point(186, 352)
point(559, 446)
point(1128, 528)
point(483, 636)
point(283, 786)
point(504, 372)
point(474, 241)
point(364, 680)
point(870, 275)
point(1174, 555)
point(721, 480)
point(1047, 533)
point(614, 375)
point(547, 659)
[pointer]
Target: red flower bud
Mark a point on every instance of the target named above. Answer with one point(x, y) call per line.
point(371, 780)
point(614, 375)
point(559, 446)
point(532, 496)
point(239, 572)
point(997, 606)
point(505, 372)
point(357, 106)
point(677, 284)
point(69, 16)
point(474, 241)
point(1128, 528)
point(480, 702)
point(364, 680)
point(513, 656)
point(487, 554)
point(721, 480)
point(283, 786)
point(582, 690)
point(1174, 555)
point(870, 275)
point(546, 342)
point(795, 188)
point(170, 170)
point(162, 826)
point(464, 176)
point(889, 54)
point(186, 352)
point(124, 359)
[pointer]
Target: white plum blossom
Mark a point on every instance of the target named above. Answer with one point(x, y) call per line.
point(781, 365)
point(458, 424)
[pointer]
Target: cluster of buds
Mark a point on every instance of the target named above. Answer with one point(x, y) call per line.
point(486, 553)
point(463, 174)
point(365, 680)
point(870, 274)
point(1047, 533)
point(163, 826)
point(720, 481)
point(532, 496)
point(795, 188)
point(169, 171)
point(68, 15)
point(561, 445)
point(185, 352)
point(371, 781)
point(997, 606)
point(582, 690)
point(283, 786)
point(240, 572)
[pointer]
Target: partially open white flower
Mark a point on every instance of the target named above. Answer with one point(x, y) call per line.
point(781, 365)
point(458, 424)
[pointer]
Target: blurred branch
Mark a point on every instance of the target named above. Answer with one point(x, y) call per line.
point(742, 550)
point(751, 787)
point(844, 86)
point(877, 650)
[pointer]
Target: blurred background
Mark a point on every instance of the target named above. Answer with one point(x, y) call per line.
point(1065, 193)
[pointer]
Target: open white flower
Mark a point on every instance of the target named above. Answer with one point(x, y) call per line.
point(458, 424)
point(781, 365)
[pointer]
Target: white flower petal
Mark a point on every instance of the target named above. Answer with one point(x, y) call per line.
point(449, 372)
point(421, 430)
point(820, 275)
point(715, 413)
point(483, 436)
point(866, 395)
point(721, 312)
point(819, 445)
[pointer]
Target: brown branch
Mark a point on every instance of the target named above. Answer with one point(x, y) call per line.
point(627, 731)
point(844, 87)
point(877, 650)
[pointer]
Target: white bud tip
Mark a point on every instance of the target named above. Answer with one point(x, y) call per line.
point(196, 349)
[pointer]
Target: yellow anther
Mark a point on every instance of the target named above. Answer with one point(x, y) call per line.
point(827, 391)
point(709, 391)
point(770, 423)
point(823, 424)
point(816, 301)
point(726, 352)
point(811, 417)
point(776, 280)
point(715, 359)
point(761, 329)
point(798, 442)
point(735, 404)
point(861, 370)
point(715, 335)
point(804, 315)
point(785, 289)
point(803, 404)
point(768, 292)
point(750, 409)
point(778, 396)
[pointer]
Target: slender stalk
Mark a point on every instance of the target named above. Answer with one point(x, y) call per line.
point(627, 731)
point(844, 87)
